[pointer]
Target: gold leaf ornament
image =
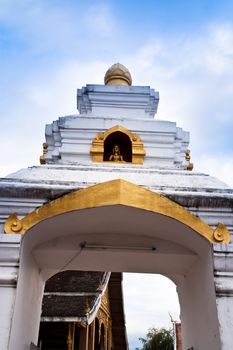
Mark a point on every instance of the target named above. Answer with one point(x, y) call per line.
point(13, 224)
point(220, 233)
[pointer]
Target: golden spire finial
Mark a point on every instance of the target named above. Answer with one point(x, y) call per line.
point(118, 74)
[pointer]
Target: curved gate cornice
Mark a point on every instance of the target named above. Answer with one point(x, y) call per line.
point(117, 192)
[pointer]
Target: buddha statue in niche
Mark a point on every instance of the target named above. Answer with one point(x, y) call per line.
point(116, 154)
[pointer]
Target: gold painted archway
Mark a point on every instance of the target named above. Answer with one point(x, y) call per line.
point(117, 192)
point(97, 149)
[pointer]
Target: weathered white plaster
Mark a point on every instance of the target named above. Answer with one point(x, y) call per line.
point(70, 139)
point(102, 107)
point(86, 175)
point(9, 262)
point(27, 309)
point(225, 311)
point(118, 101)
point(223, 275)
point(198, 306)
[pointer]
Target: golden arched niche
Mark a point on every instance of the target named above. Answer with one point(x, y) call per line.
point(136, 153)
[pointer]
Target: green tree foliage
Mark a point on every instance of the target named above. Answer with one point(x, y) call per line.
point(158, 339)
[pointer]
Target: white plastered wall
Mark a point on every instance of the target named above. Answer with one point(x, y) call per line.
point(225, 312)
point(27, 308)
point(196, 291)
point(9, 259)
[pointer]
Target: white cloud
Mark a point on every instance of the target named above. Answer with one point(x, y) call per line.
point(100, 20)
point(148, 54)
point(223, 37)
point(43, 27)
point(217, 55)
point(218, 165)
point(188, 55)
point(57, 95)
point(194, 92)
point(39, 26)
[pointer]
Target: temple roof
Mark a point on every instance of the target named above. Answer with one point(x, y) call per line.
point(75, 294)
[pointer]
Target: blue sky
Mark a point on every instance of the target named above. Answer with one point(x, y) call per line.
point(183, 49)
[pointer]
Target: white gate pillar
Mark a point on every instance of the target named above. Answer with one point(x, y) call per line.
point(223, 266)
point(9, 266)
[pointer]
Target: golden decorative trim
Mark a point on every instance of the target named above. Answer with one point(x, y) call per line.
point(190, 166)
point(188, 157)
point(113, 193)
point(70, 336)
point(13, 224)
point(105, 305)
point(88, 309)
point(102, 317)
point(97, 149)
point(220, 233)
point(45, 150)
